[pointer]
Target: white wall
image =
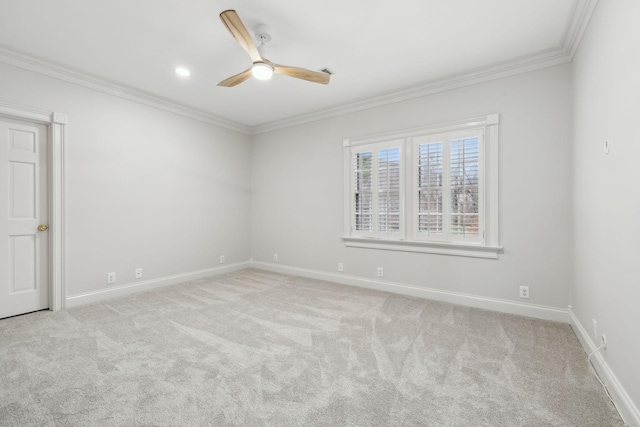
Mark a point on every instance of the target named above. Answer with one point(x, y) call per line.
point(145, 188)
point(606, 287)
point(297, 186)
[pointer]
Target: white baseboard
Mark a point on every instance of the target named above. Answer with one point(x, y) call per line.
point(627, 408)
point(131, 288)
point(503, 306)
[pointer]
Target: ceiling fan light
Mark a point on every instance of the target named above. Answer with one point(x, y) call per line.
point(262, 71)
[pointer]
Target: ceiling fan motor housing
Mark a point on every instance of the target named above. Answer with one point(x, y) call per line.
point(262, 33)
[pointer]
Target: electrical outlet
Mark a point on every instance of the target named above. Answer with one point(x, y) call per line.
point(340, 266)
point(595, 330)
point(111, 278)
point(138, 273)
point(524, 292)
point(380, 272)
point(275, 257)
point(221, 259)
point(603, 341)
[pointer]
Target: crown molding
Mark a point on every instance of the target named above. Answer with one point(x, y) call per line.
point(522, 65)
point(575, 28)
point(578, 22)
point(51, 69)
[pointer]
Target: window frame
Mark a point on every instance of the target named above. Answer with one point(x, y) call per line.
point(408, 240)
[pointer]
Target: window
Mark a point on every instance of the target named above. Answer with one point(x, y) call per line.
point(425, 190)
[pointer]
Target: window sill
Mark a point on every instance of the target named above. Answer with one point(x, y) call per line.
point(456, 249)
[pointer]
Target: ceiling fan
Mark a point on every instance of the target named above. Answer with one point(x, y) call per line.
point(262, 68)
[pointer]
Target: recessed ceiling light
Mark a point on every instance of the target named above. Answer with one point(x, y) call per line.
point(183, 72)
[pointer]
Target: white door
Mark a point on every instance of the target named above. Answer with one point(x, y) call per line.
point(24, 278)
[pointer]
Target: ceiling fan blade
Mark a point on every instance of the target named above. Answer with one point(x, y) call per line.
point(232, 21)
point(300, 73)
point(237, 79)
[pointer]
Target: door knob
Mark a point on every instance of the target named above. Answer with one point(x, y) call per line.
point(42, 227)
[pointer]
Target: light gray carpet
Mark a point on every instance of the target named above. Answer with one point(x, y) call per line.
point(254, 348)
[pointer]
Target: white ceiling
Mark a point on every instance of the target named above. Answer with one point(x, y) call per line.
point(375, 47)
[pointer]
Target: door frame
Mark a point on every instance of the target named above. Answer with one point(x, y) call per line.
point(57, 136)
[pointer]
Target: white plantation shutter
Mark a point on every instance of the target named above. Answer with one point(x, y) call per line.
point(363, 191)
point(376, 190)
point(464, 187)
point(448, 199)
point(430, 168)
point(389, 190)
